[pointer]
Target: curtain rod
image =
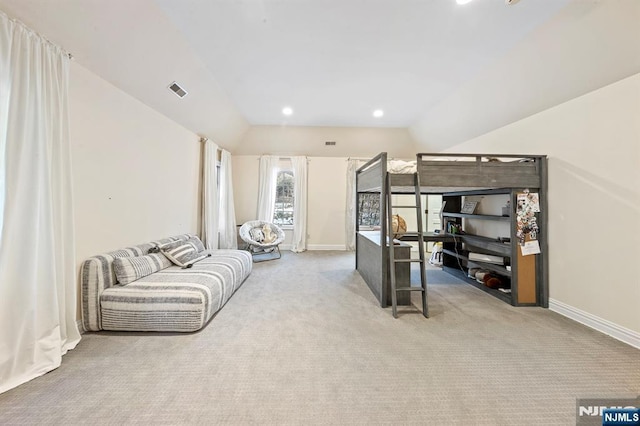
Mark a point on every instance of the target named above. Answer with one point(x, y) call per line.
point(203, 139)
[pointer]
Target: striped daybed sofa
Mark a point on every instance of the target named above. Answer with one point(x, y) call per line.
point(172, 299)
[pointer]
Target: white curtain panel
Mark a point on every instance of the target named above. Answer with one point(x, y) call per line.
point(299, 238)
point(228, 232)
point(267, 187)
point(38, 298)
point(210, 208)
point(350, 206)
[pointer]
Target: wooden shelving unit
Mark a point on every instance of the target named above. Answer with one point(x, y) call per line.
point(523, 273)
point(506, 297)
point(479, 216)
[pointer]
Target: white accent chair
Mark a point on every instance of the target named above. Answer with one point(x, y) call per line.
point(252, 233)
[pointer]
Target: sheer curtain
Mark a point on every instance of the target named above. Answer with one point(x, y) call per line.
point(267, 187)
point(299, 238)
point(37, 254)
point(350, 212)
point(228, 239)
point(210, 209)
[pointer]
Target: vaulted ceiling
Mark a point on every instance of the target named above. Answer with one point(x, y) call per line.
point(448, 72)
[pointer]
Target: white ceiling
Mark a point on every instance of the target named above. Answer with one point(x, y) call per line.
point(336, 61)
point(432, 65)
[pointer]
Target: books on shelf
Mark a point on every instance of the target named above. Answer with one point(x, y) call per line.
point(487, 258)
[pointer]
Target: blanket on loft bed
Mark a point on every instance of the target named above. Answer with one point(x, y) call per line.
point(408, 167)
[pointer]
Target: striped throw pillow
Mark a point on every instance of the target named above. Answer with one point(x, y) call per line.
point(129, 269)
point(193, 239)
point(183, 253)
point(196, 242)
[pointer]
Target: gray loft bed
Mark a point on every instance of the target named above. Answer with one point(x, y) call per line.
point(440, 174)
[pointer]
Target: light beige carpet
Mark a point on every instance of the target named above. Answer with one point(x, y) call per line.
point(303, 341)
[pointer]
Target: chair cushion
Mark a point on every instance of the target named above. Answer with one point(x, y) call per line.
point(256, 235)
point(252, 233)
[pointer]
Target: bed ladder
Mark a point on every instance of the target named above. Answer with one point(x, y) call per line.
point(392, 259)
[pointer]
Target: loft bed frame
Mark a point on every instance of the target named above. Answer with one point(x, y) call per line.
point(441, 174)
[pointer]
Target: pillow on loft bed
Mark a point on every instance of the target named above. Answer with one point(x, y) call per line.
point(399, 166)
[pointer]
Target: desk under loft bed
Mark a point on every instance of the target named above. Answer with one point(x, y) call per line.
point(458, 177)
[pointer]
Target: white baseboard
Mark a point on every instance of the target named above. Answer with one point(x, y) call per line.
point(609, 328)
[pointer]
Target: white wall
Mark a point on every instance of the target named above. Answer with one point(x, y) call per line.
point(326, 199)
point(327, 170)
point(350, 141)
point(135, 172)
point(593, 144)
point(327, 203)
point(245, 187)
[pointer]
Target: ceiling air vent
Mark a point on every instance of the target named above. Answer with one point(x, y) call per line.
point(330, 143)
point(179, 91)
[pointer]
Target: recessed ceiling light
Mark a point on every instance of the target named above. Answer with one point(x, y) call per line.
point(463, 1)
point(378, 113)
point(287, 111)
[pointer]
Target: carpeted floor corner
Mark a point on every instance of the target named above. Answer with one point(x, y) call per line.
point(303, 341)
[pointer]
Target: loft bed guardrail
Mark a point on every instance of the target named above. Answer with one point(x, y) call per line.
point(441, 173)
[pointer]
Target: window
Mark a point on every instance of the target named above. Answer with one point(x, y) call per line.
point(369, 210)
point(283, 214)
